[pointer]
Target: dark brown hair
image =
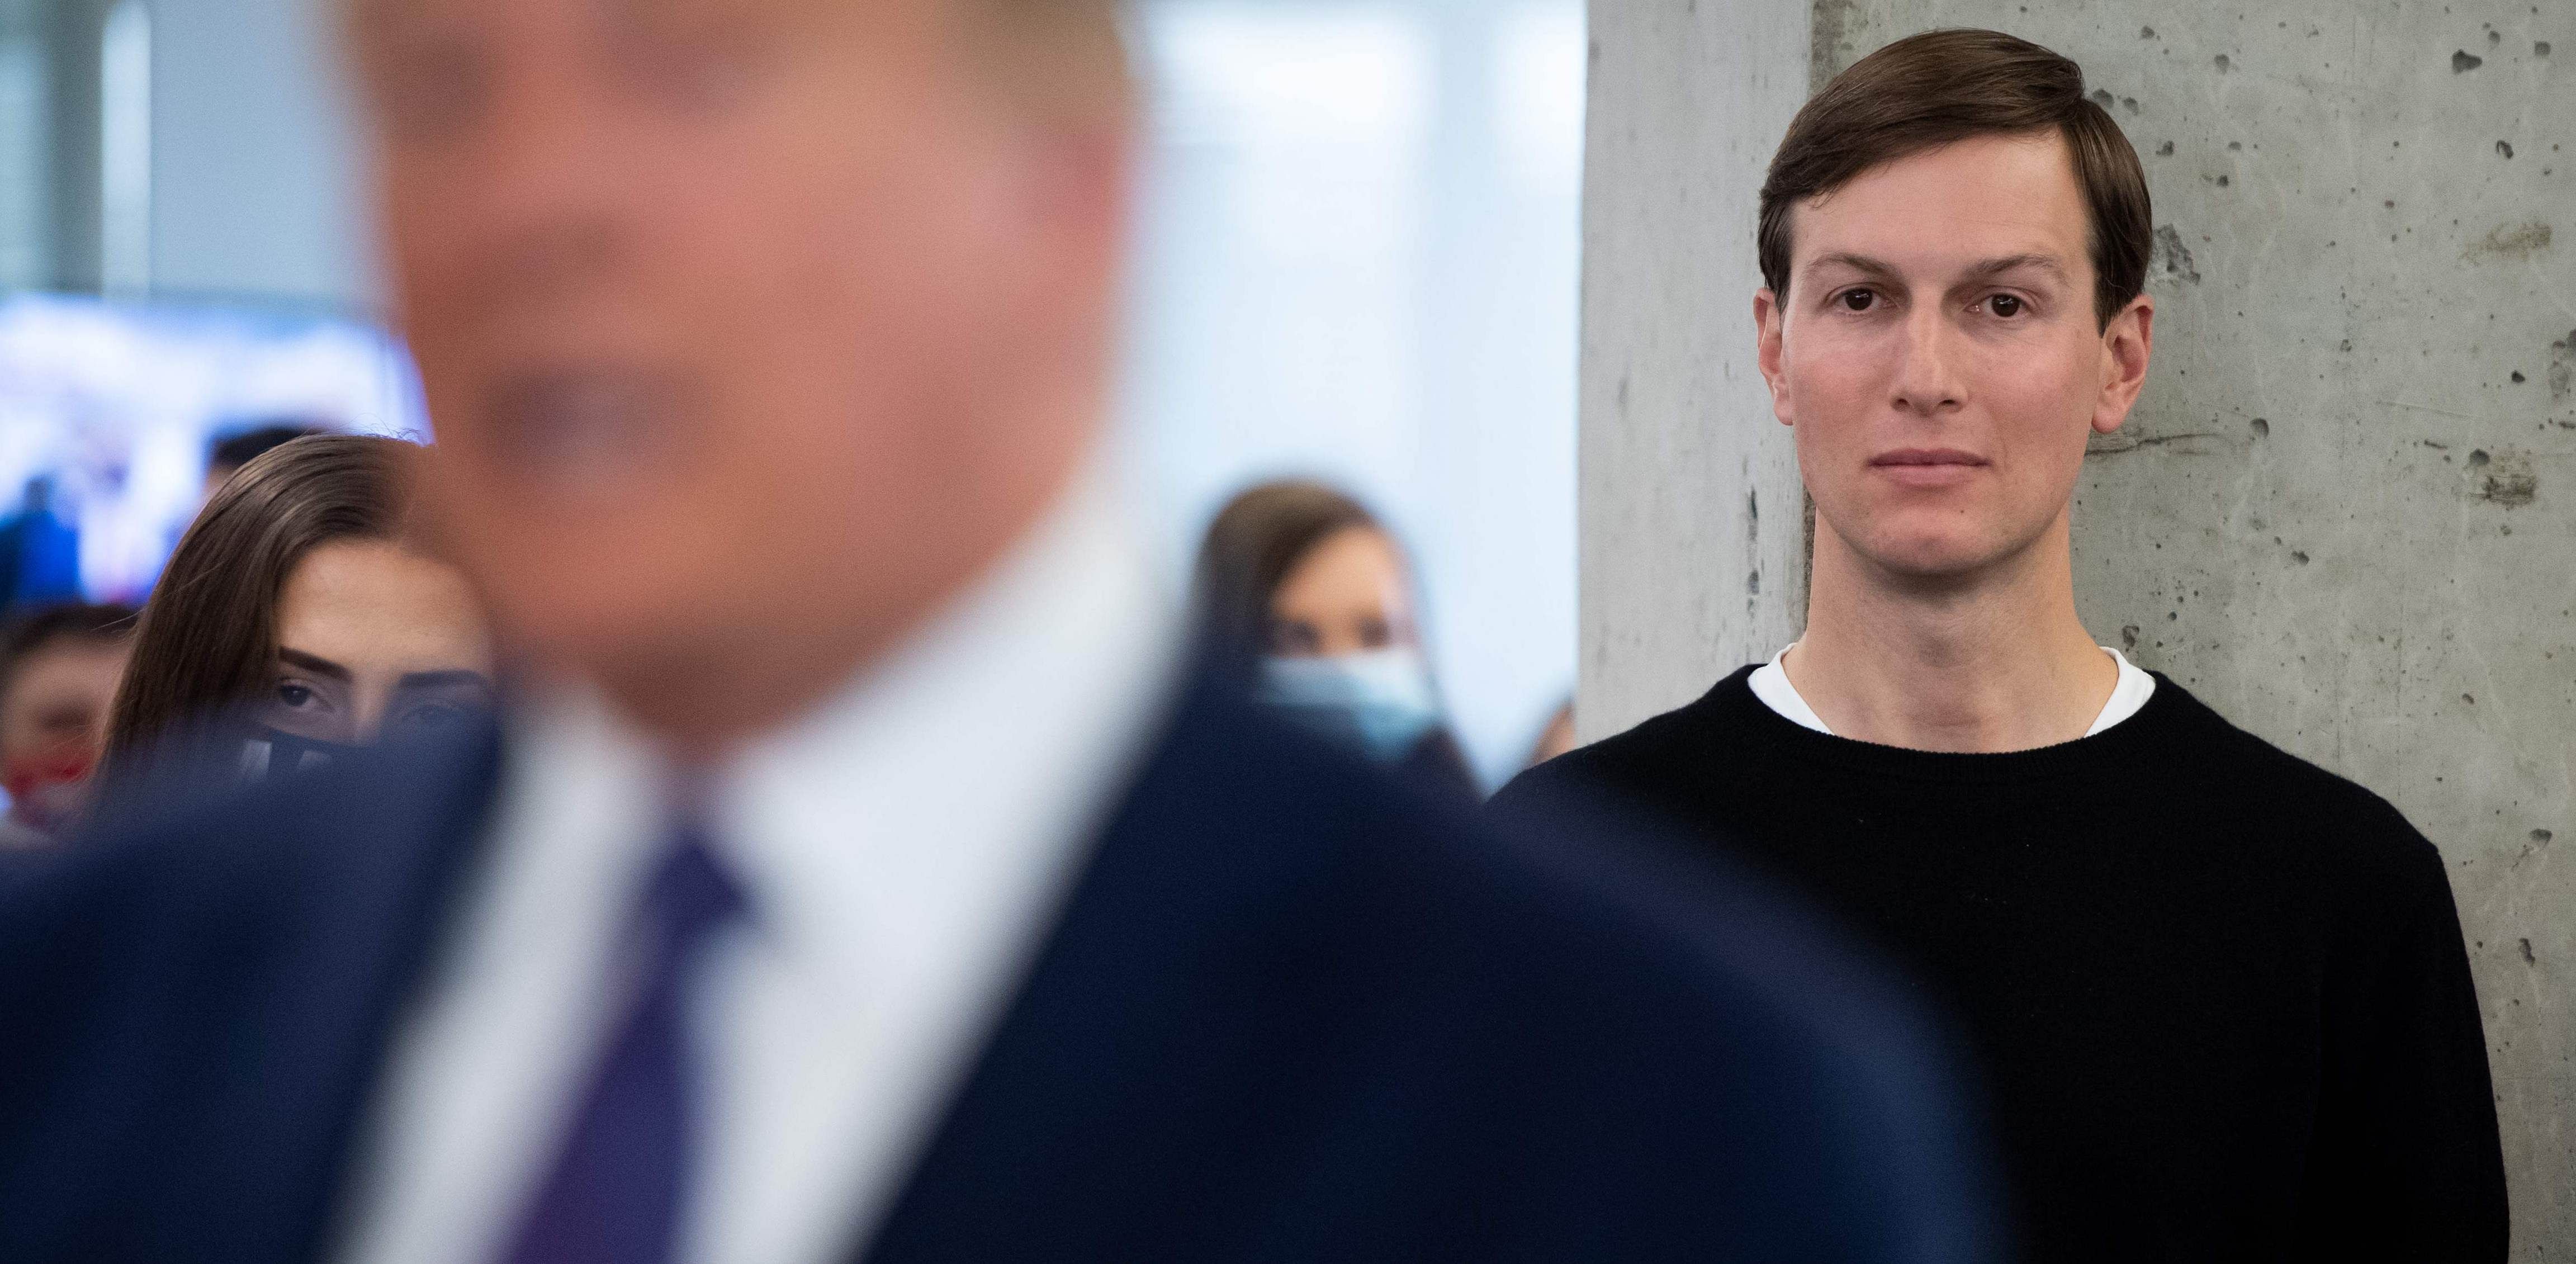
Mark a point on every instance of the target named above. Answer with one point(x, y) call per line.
point(1928, 90)
point(1259, 537)
point(207, 643)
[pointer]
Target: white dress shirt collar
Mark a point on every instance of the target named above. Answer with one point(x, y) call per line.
point(905, 846)
point(949, 788)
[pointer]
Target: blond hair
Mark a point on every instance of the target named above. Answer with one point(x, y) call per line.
point(1064, 58)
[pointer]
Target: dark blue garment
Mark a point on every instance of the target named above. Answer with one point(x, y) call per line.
point(615, 1193)
point(43, 567)
point(1291, 1012)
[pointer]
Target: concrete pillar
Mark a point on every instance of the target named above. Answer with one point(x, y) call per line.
point(1693, 552)
point(2345, 511)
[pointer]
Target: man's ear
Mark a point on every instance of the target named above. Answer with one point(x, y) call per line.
point(1766, 333)
point(2128, 342)
point(1065, 199)
point(1079, 179)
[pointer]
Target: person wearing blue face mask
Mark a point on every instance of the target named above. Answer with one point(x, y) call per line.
point(1308, 600)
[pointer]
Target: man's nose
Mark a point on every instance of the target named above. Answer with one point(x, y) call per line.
point(539, 176)
point(1927, 379)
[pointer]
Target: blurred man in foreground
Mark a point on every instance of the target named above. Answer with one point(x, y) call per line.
point(860, 876)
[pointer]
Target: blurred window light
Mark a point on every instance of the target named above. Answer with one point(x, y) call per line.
point(26, 121)
point(1319, 111)
point(1251, 72)
point(113, 404)
point(125, 149)
point(1538, 82)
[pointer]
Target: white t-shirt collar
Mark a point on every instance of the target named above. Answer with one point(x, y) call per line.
point(1770, 683)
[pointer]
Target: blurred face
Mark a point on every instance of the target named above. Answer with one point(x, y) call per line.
point(1939, 355)
point(1348, 595)
point(751, 328)
point(374, 641)
point(53, 720)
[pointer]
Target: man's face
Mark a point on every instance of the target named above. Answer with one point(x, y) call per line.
point(743, 321)
point(1939, 354)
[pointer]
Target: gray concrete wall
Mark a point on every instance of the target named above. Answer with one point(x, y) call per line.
point(2345, 511)
point(1693, 554)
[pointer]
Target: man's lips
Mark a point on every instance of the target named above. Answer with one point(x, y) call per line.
point(1927, 468)
point(581, 429)
point(1920, 457)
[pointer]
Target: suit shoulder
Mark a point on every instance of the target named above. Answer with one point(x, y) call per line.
point(1567, 892)
point(169, 875)
point(1565, 968)
point(1579, 870)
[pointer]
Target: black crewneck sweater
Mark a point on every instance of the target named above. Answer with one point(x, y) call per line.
point(2217, 996)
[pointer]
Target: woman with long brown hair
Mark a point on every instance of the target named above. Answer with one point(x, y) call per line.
point(300, 614)
point(1306, 599)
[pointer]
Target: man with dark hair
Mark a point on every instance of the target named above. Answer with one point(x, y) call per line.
point(2220, 995)
point(58, 674)
point(858, 874)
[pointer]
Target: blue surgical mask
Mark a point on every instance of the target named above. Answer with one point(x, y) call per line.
point(1378, 702)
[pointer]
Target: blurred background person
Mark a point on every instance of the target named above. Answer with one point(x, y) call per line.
point(39, 551)
point(228, 452)
point(58, 674)
point(301, 616)
point(1308, 600)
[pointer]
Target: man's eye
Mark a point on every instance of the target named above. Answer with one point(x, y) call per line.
point(427, 93)
point(2004, 305)
point(1857, 300)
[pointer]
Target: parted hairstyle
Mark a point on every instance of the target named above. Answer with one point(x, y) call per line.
point(1256, 540)
point(207, 643)
point(1928, 90)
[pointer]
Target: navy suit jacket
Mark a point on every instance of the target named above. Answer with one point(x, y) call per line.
point(1290, 1012)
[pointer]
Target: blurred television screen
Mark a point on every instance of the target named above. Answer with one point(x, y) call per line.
point(109, 410)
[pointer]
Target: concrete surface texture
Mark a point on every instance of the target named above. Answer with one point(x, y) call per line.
point(2345, 511)
point(1693, 553)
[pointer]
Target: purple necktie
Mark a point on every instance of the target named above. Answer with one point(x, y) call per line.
point(614, 1194)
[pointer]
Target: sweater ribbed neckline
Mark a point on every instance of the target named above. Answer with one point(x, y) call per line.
point(2168, 717)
